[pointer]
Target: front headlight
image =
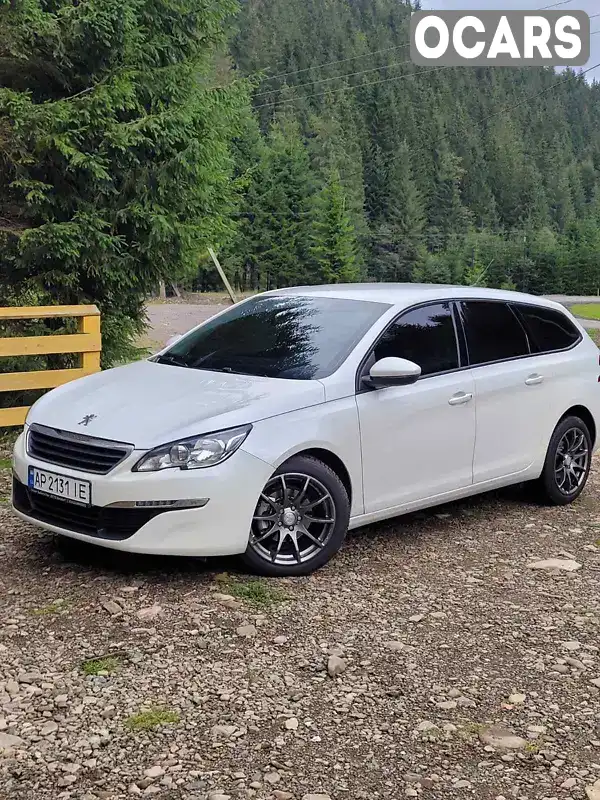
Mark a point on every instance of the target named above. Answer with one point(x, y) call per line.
point(195, 452)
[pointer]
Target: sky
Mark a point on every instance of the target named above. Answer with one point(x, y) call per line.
point(591, 6)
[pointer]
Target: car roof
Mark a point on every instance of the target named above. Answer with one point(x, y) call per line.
point(405, 294)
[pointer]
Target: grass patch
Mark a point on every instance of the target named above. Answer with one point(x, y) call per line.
point(469, 730)
point(472, 727)
point(586, 310)
point(256, 592)
point(533, 747)
point(94, 666)
point(55, 607)
point(5, 463)
point(153, 718)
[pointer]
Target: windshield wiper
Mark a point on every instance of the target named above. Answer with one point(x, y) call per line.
point(169, 358)
point(228, 370)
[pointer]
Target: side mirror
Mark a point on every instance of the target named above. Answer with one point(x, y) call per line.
point(392, 372)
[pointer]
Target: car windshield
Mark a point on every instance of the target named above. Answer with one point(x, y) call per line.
point(300, 338)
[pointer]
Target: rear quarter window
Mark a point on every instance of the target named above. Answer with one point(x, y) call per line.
point(548, 330)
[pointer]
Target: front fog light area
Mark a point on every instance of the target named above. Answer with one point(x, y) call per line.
point(195, 452)
point(193, 502)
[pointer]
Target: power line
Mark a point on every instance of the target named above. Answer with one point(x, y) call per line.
point(539, 94)
point(386, 80)
point(338, 77)
point(562, 3)
point(350, 88)
point(339, 61)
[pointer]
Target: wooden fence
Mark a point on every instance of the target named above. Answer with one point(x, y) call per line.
point(87, 342)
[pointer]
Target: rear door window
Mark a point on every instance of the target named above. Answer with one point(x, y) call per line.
point(549, 330)
point(493, 332)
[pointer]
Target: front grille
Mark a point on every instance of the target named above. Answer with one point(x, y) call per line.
point(104, 523)
point(75, 450)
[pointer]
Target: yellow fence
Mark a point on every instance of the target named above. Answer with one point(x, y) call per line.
point(87, 342)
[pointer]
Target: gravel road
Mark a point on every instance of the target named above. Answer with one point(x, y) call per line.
point(167, 319)
point(430, 659)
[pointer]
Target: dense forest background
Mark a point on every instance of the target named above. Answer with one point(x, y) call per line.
point(361, 165)
point(297, 139)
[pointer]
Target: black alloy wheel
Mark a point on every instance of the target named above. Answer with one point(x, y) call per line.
point(300, 520)
point(568, 462)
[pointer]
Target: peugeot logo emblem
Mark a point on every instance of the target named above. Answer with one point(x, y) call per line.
point(87, 419)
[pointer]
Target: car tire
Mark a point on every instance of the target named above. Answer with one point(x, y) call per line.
point(560, 483)
point(286, 537)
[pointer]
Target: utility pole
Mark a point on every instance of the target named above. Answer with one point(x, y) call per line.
point(222, 274)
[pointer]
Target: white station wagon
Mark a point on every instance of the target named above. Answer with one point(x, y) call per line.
point(277, 425)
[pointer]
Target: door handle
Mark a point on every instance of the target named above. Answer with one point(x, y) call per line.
point(534, 380)
point(460, 398)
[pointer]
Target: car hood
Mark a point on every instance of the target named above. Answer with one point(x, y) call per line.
point(147, 404)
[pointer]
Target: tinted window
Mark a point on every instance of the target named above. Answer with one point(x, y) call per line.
point(547, 329)
point(425, 335)
point(277, 337)
point(493, 332)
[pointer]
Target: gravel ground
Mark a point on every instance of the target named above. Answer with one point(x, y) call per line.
point(428, 660)
point(167, 319)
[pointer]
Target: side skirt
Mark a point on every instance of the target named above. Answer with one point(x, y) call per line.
point(447, 497)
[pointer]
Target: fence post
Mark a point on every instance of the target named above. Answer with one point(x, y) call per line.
point(90, 362)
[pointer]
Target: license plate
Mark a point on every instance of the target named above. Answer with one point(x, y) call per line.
point(71, 489)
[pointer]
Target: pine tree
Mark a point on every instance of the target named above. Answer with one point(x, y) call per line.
point(334, 245)
point(398, 240)
point(114, 148)
point(448, 217)
point(282, 212)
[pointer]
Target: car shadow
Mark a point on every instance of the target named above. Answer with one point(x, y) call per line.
point(86, 558)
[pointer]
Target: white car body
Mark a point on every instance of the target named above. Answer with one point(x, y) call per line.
point(397, 449)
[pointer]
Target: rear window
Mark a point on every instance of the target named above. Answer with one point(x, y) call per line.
point(299, 338)
point(493, 331)
point(548, 329)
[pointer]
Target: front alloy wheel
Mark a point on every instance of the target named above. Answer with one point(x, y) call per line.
point(300, 520)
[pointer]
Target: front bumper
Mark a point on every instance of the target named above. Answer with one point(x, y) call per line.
point(220, 527)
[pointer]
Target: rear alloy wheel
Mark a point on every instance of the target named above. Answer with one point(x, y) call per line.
point(568, 462)
point(300, 521)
